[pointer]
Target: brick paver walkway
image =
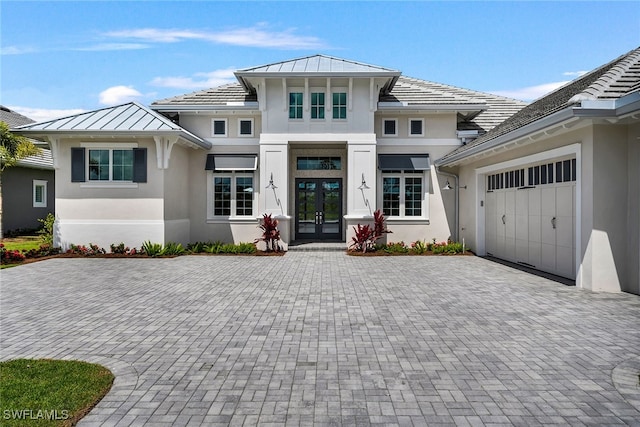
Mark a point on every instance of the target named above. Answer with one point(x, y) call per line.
point(327, 339)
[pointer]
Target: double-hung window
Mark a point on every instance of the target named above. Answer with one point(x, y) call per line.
point(317, 105)
point(233, 193)
point(295, 105)
point(339, 105)
point(403, 193)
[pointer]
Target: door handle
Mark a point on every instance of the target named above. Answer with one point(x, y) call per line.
point(321, 216)
point(553, 222)
point(504, 219)
point(317, 218)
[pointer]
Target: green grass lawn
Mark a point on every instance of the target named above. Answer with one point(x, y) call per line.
point(22, 243)
point(46, 392)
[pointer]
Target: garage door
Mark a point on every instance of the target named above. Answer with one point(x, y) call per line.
point(530, 216)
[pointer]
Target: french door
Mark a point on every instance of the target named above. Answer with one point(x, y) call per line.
point(318, 209)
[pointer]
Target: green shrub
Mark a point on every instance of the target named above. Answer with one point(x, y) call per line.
point(419, 247)
point(172, 248)
point(46, 233)
point(396, 248)
point(246, 248)
point(152, 249)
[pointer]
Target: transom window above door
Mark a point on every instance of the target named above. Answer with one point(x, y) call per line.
point(318, 163)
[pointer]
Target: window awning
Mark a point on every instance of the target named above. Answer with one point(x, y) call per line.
point(231, 162)
point(418, 162)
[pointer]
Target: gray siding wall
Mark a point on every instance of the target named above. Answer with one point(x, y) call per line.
point(17, 198)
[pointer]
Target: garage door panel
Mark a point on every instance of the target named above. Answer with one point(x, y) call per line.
point(535, 249)
point(548, 202)
point(564, 261)
point(534, 229)
point(547, 232)
point(522, 251)
point(565, 200)
point(548, 257)
point(522, 203)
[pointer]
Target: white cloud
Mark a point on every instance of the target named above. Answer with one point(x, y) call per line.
point(574, 73)
point(257, 36)
point(198, 81)
point(530, 93)
point(16, 50)
point(113, 46)
point(118, 95)
point(45, 114)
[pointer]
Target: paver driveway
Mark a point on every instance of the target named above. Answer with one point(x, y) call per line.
point(324, 338)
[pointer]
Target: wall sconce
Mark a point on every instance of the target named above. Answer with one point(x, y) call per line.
point(448, 186)
point(271, 184)
point(364, 185)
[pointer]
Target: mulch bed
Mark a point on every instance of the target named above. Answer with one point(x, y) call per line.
point(383, 253)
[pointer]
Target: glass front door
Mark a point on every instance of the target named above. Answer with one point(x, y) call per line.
point(318, 209)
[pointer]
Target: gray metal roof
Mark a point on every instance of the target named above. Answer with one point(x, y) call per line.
point(131, 118)
point(12, 118)
point(618, 78)
point(317, 64)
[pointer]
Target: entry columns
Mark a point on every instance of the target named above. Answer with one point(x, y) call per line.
point(361, 183)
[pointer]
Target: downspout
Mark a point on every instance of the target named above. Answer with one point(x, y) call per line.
point(457, 199)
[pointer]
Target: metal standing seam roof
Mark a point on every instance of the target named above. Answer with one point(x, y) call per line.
point(317, 64)
point(130, 117)
point(610, 81)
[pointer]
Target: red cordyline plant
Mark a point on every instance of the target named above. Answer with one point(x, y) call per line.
point(270, 233)
point(366, 235)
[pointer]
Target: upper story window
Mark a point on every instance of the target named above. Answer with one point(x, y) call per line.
point(219, 127)
point(339, 105)
point(295, 105)
point(317, 105)
point(390, 127)
point(318, 163)
point(416, 127)
point(245, 127)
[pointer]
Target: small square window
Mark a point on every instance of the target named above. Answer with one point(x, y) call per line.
point(220, 127)
point(39, 193)
point(415, 127)
point(390, 127)
point(246, 127)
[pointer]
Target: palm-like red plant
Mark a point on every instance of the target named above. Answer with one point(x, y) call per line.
point(270, 233)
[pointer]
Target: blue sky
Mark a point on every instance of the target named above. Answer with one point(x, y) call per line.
point(62, 57)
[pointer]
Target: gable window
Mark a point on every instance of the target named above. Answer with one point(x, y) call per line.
point(109, 165)
point(402, 193)
point(39, 193)
point(245, 127)
point(317, 105)
point(339, 105)
point(219, 127)
point(390, 127)
point(295, 105)
point(416, 127)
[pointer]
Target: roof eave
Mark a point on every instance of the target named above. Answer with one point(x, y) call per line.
point(431, 107)
point(522, 132)
point(184, 135)
point(248, 106)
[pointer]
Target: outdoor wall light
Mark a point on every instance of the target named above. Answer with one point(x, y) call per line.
point(448, 186)
point(271, 184)
point(364, 185)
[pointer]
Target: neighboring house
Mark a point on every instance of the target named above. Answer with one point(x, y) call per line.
point(320, 143)
point(557, 185)
point(28, 188)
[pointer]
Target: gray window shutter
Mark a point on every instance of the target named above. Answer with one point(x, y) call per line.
point(139, 165)
point(77, 164)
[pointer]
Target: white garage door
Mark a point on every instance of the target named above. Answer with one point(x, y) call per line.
point(530, 216)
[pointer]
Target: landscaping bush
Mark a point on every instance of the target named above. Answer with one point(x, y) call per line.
point(365, 235)
point(172, 248)
point(83, 250)
point(152, 249)
point(46, 232)
point(10, 256)
point(396, 248)
point(270, 233)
